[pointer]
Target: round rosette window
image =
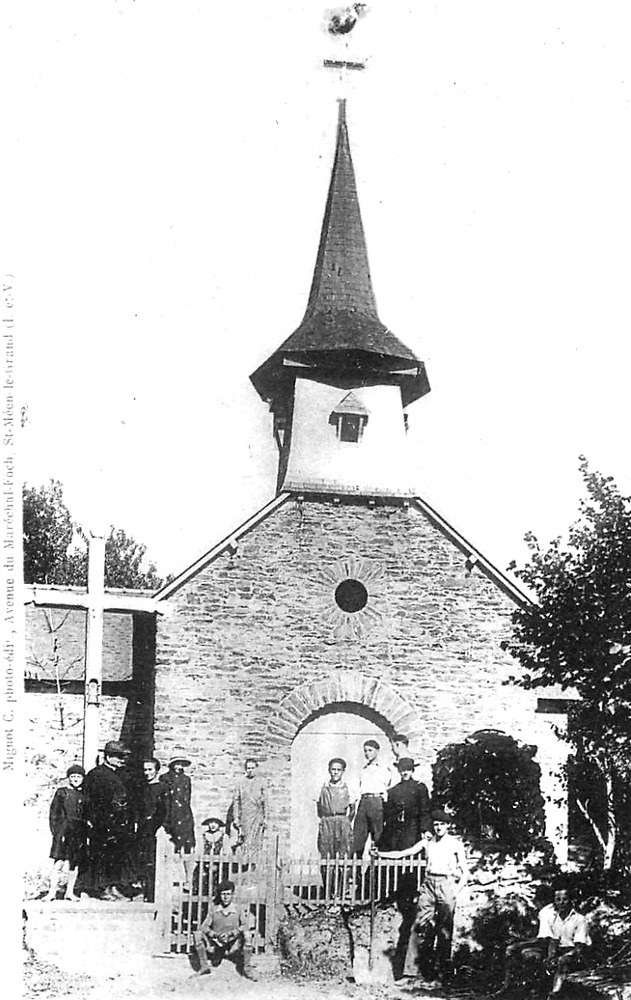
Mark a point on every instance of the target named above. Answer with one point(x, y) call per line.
point(352, 596)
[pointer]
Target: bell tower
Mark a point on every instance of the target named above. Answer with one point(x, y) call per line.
point(339, 386)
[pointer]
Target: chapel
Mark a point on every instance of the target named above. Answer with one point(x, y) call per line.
point(347, 607)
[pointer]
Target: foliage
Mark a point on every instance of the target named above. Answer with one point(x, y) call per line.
point(491, 785)
point(576, 636)
point(52, 556)
point(48, 531)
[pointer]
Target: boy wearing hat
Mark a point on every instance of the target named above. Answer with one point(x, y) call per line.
point(407, 814)
point(179, 822)
point(67, 825)
point(222, 933)
point(374, 781)
point(110, 818)
point(445, 877)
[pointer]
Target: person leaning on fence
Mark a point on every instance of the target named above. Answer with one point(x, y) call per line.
point(445, 877)
point(223, 933)
point(68, 827)
point(560, 946)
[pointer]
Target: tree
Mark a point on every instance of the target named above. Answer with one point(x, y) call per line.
point(123, 563)
point(576, 635)
point(48, 531)
point(491, 785)
point(55, 546)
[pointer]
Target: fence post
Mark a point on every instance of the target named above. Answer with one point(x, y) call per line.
point(163, 891)
point(271, 917)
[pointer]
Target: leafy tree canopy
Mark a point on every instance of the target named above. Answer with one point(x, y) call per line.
point(491, 785)
point(55, 546)
point(578, 632)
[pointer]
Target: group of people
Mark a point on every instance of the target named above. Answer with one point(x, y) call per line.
point(104, 824)
point(388, 805)
point(398, 818)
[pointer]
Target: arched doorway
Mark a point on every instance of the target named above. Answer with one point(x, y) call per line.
point(335, 731)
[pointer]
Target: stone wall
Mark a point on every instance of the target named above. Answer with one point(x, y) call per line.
point(55, 631)
point(259, 630)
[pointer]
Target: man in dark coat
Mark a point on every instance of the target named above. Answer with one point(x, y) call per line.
point(407, 813)
point(151, 815)
point(110, 818)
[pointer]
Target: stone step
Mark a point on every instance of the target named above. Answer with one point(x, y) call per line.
point(105, 938)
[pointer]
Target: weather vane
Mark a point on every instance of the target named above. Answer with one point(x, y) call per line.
point(339, 22)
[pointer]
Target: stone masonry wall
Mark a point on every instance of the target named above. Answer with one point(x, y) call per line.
point(46, 627)
point(255, 626)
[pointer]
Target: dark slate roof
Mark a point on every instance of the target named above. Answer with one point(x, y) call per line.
point(341, 330)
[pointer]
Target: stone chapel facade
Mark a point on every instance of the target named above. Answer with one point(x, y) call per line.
point(347, 606)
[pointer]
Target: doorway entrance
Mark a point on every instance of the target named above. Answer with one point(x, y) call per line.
point(332, 732)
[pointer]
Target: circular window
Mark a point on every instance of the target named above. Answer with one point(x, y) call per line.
point(351, 596)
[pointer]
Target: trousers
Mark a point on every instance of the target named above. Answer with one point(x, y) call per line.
point(437, 903)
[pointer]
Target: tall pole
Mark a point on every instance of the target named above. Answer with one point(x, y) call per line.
point(94, 648)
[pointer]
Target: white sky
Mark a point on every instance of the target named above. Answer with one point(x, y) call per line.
point(166, 172)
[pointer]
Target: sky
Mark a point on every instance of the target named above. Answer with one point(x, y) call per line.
point(167, 171)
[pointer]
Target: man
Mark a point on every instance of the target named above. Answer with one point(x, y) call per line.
point(249, 809)
point(407, 813)
point(151, 815)
point(110, 821)
point(222, 933)
point(374, 781)
point(560, 945)
point(445, 877)
point(399, 744)
point(335, 831)
point(335, 834)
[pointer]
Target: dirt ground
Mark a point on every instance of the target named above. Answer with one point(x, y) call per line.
point(166, 978)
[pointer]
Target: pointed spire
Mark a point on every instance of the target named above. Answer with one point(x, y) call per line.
point(341, 279)
point(341, 329)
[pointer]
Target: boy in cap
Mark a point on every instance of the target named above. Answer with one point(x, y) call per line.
point(110, 818)
point(445, 877)
point(374, 781)
point(222, 933)
point(67, 825)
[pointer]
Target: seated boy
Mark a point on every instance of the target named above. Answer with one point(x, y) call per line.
point(223, 933)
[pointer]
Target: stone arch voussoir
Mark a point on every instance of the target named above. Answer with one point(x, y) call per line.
point(347, 686)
